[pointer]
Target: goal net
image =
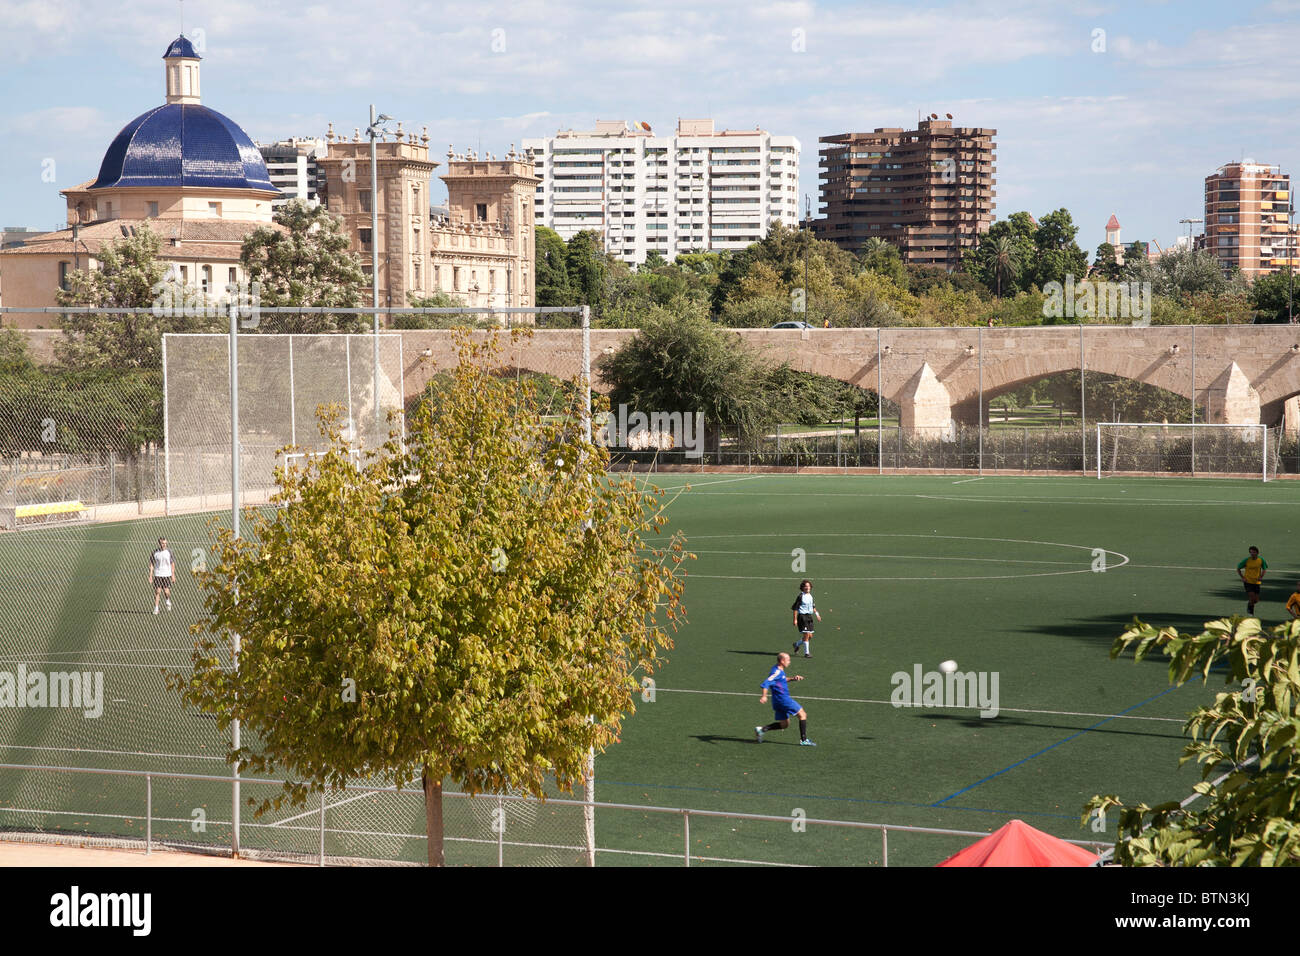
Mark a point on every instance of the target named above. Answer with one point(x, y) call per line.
point(1133, 448)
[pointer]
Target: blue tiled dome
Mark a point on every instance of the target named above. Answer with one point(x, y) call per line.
point(181, 47)
point(182, 144)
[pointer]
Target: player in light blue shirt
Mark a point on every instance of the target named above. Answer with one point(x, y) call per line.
point(805, 609)
point(783, 705)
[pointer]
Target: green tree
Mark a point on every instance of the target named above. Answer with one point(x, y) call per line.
point(307, 263)
point(15, 356)
point(1183, 273)
point(1019, 229)
point(1057, 255)
point(130, 275)
point(1104, 266)
point(473, 605)
point(1004, 262)
point(1270, 296)
point(689, 364)
point(1249, 739)
point(784, 260)
point(588, 268)
point(551, 274)
point(881, 257)
point(1114, 398)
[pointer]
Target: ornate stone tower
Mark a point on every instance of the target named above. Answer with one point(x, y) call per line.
point(490, 227)
point(404, 171)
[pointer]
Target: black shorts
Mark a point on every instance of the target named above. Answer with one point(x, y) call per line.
point(805, 624)
point(1251, 588)
point(162, 582)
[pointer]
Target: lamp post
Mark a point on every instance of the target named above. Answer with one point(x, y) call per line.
point(373, 131)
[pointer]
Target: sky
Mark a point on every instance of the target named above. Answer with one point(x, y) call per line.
point(1100, 108)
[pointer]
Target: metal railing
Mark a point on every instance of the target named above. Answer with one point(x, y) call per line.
point(686, 814)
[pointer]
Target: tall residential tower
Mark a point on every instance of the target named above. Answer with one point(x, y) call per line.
point(698, 189)
point(928, 191)
point(1246, 217)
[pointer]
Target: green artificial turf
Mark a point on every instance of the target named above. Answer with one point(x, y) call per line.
point(993, 573)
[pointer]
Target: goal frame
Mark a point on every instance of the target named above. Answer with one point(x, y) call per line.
point(1208, 425)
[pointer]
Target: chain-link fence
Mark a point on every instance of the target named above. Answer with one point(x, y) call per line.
point(1162, 450)
point(282, 382)
point(362, 825)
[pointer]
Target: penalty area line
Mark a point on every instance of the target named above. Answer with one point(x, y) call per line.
point(863, 700)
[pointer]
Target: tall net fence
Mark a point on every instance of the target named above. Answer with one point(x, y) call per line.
point(85, 625)
point(283, 381)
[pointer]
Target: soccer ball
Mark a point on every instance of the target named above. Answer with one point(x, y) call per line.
point(948, 667)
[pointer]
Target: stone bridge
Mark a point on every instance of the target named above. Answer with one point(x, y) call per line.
point(1241, 374)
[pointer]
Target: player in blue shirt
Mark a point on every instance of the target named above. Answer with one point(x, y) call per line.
point(783, 705)
point(805, 609)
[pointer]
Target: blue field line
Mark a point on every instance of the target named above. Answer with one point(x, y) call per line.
point(1064, 740)
point(814, 796)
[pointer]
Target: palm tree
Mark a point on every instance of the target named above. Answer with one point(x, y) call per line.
point(1004, 260)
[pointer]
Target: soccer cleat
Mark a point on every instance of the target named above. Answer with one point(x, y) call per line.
point(155, 608)
point(806, 743)
point(169, 604)
point(795, 647)
point(758, 734)
point(807, 655)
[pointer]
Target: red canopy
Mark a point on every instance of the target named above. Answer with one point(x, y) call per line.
point(1019, 844)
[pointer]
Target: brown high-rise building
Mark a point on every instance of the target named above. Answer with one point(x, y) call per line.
point(928, 191)
point(1246, 214)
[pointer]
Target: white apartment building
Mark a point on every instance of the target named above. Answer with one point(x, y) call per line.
point(697, 190)
point(292, 165)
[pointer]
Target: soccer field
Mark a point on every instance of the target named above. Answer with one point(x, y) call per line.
point(999, 574)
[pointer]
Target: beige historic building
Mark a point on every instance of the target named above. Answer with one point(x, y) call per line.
point(196, 179)
point(482, 252)
point(183, 170)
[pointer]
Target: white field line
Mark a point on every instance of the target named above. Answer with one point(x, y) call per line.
point(976, 499)
point(1040, 479)
point(710, 484)
point(316, 810)
point(860, 700)
point(901, 557)
point(965, 480)
point(696, 856)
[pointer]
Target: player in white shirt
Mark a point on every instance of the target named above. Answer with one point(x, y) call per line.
point(160, 571)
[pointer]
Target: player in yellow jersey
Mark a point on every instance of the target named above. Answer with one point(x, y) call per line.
point(1251, 571)
point(1293, 602)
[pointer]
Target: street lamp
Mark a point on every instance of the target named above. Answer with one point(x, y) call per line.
point(373, 131)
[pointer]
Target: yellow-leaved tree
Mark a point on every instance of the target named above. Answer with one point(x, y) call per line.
point(490, 596)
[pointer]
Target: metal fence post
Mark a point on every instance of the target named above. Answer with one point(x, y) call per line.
point(980, 416)
point(148, 814)
point(686, 817)
point(322, 829)
point(884, 846)
point(501, 831)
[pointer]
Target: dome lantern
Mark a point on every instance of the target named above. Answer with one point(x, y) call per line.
point(181, 72)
